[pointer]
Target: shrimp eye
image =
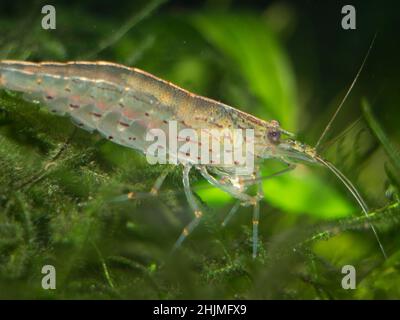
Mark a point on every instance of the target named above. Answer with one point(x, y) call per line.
point(274, 135)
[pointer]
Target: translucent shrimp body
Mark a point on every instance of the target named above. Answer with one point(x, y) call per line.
point(123, 104)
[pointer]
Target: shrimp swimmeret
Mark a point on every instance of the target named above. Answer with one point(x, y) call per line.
point(125, 104)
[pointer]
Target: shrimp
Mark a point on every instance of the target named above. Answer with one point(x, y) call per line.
point(123, 104)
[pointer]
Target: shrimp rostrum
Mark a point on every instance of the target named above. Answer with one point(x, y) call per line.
point(131, 107)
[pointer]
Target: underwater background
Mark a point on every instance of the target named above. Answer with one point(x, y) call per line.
point(285, 60)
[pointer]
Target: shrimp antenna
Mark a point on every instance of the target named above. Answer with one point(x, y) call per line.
point(346, 95)
point(356, 195)
point(341, 135)
point(336, 171)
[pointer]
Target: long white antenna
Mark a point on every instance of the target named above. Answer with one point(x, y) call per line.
point(356, 195)
point(346, 95)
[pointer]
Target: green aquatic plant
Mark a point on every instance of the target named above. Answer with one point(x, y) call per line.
point(56, 181)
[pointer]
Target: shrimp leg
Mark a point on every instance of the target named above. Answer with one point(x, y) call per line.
point(256, 213)
point(245, 199)
point(231, 213)
point(233, 191)
point(158, 183)
point(194, 206)
point(140, 195)
point(236, 206)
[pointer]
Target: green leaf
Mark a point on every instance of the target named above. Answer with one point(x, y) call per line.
point(212, 196)
point(376, 128)
point(298, 192)
point(302, 191)
point(383, 282)
point(254, 50)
